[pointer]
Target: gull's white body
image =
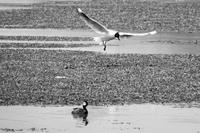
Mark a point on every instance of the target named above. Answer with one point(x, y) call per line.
point(107, 34)
point(105, 37)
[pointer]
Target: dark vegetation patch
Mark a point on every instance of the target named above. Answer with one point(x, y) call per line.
point(182, 42)
point(33, 129)
point(45, 38)
point(114, 14)
point(44, 45)
point(28, 77)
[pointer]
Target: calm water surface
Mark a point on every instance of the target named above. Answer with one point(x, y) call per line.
point(46, 32)
point(144, 118)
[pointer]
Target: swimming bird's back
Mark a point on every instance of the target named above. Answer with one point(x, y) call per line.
point(79, 111)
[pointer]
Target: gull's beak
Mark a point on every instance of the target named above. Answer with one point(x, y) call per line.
point(118, 38)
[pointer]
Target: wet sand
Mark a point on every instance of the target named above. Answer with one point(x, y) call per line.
point(146, 118)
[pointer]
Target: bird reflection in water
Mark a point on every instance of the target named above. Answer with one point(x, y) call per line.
point(81, 113)
point(83, 118)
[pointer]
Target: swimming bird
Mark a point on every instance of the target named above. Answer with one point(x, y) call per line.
point(107, 34)
point(81, 112)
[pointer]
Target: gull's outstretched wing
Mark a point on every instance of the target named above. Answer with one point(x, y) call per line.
point(96, 26)
point(127, 35)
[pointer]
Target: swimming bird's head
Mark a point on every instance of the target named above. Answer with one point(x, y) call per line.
point(79, 10)
point(117, 36)
point(85, 103)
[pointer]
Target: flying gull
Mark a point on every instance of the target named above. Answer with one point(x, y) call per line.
point(107, 34)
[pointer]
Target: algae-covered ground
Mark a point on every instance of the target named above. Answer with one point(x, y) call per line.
point(59, 77)
point(46, 77)
point(145, 15)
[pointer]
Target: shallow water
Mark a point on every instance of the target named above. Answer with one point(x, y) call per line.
point(47, 32)
point(47, 42)
point(144, 48)
point(11, 7)
point(22, 1)
point(31, 1)
point(151, 44)
point(146, 118)
point(154, 44)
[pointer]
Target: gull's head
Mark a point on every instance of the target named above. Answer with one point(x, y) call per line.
point(117, 35)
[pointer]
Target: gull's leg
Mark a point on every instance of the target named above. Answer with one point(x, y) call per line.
point(104, 44)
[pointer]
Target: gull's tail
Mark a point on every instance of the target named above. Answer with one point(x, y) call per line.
point(98, 40)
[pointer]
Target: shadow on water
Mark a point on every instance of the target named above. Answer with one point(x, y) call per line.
point(145, 118)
